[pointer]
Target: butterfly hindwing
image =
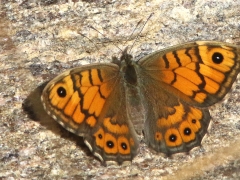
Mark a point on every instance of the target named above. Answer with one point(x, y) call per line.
point(114, 138)
point(171, 125)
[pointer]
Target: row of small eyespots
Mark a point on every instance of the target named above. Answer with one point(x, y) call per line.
point(111, 144)
point(175, 137)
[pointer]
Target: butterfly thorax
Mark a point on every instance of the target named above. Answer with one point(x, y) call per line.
point(128, 68)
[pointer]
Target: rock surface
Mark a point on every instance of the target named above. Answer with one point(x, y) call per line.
point(40, 39)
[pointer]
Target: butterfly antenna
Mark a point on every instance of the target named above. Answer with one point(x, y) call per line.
point(105, 36)
point(89, 40)
point(133, 31)
point(140, 31)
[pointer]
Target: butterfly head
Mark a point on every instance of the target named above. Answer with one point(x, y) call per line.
point(126, 57)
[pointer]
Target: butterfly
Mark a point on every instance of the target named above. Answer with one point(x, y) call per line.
point(165, 95)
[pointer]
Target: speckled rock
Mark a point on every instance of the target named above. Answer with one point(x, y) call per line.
point(40, 39)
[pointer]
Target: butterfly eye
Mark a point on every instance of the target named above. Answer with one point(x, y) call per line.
point(217, 57)
point(61, 92)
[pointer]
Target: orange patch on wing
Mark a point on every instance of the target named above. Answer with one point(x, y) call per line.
point(115, 128)
point(185, 86)
point(78, 116)
point(91, 121)
point(158, 136)
point(97, 105)
point(100, 137)
point(173, 118)
point(89, 96)
point(200, 97)
point(172, 60)
point(85, 80)
point(211, 73)
point(72, 103)
point(211, 86)
point(189, 74)
point(95, 77)
point(122, 140)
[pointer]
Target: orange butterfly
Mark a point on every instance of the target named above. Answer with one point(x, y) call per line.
point(165, 93)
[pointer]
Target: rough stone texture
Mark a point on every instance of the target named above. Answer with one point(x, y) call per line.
point(39, 39)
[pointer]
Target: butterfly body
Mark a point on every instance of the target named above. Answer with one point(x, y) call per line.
point(165, 94)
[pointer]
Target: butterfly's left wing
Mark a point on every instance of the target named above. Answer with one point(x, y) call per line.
point(177, 86)
point(90, 102)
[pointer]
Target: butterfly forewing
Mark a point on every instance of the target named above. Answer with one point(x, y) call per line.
point(201, 73)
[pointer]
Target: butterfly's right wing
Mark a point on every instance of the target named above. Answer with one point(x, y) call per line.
point(178, 84)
